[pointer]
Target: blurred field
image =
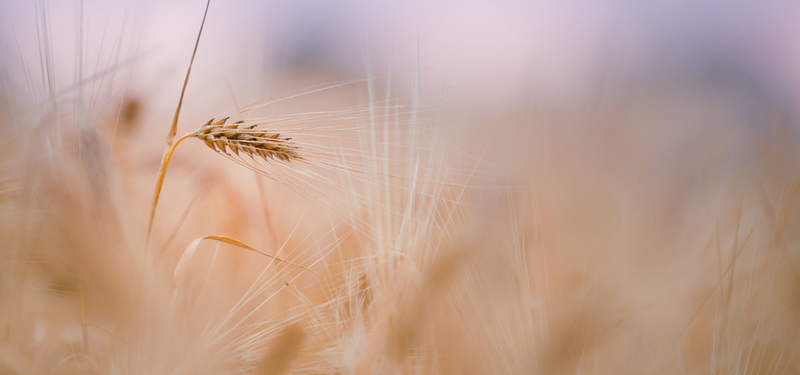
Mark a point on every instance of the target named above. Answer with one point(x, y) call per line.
point(505, 188)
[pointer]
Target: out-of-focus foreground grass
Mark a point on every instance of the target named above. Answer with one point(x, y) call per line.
point(504, 188)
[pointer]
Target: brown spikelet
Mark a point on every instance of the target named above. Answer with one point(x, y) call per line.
point(286, 347)
point(250, 140)
point(401, 326)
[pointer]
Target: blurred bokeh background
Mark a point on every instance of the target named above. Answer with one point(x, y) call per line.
point(595, 187)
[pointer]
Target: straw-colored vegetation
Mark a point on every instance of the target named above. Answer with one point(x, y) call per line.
point(655, 234)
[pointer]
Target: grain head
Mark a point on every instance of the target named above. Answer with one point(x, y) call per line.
point(249, 139)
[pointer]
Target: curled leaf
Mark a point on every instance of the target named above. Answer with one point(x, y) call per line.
point(179, 275)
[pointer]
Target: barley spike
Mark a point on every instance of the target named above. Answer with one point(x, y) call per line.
point(250, 140)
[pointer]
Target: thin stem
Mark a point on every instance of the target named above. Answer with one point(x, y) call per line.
point(162, 171)
point(174, 127)
point(83, 321)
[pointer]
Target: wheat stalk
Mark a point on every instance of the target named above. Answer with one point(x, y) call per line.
point(237, 137)
point(162, 168)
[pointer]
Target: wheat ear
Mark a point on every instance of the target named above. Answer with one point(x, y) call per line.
point(236, 137)
point(251, 140)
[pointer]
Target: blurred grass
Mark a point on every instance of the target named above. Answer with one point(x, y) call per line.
point(606, 212)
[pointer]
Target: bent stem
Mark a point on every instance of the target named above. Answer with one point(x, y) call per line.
point(162, 171)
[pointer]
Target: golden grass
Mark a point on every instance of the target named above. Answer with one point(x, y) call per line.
point(656, 235)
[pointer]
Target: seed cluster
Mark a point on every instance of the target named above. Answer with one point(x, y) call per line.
point(250, 140)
